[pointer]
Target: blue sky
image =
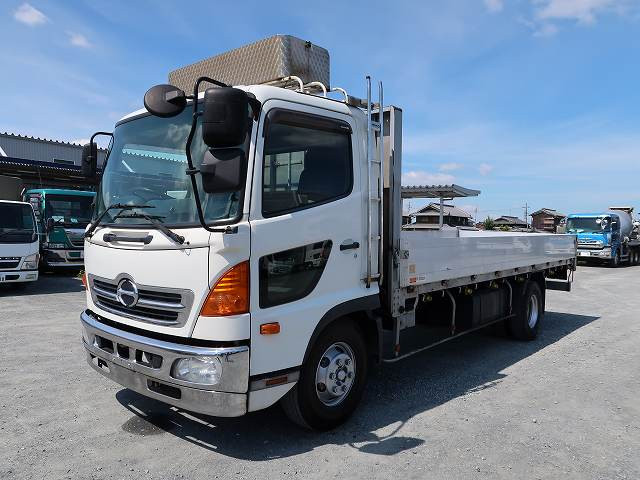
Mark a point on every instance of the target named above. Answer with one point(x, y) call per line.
point(534, 101)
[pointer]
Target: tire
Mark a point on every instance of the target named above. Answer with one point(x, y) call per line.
point(529, 312)
point(312, 403)
point(615, 261)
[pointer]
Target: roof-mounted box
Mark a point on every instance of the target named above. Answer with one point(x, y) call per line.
point(263, 61)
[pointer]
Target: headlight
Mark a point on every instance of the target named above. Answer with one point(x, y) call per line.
point(204, 370)
point(31, 262)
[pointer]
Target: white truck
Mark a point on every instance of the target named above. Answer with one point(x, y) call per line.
point(19, 244)
point(205, 289)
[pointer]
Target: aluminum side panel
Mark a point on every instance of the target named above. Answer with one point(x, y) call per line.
point(437, 256)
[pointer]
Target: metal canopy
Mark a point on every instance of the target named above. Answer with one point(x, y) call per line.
point(438, 191)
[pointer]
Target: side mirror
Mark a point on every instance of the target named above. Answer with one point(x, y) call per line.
point(165, 101)
point(50, 224)
point(225, 117)
point(222, 170)
point(89, 165)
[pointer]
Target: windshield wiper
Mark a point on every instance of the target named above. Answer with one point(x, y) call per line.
point(121, 206)
point(154, 220)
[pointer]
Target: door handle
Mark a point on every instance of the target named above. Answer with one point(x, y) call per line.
point(349, 246)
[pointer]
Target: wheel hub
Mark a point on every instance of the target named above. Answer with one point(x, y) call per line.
point(335, 374)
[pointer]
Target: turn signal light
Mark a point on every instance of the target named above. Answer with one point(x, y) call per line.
point(270, 328)
point(84, 279)
point(230, 295)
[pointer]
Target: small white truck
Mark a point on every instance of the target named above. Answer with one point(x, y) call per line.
point(247, 246)
point(19, 244)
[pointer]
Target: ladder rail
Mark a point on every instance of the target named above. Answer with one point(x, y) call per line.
point(368, 160)
point(380, 182)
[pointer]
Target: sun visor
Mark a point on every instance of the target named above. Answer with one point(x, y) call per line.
point(260, 62)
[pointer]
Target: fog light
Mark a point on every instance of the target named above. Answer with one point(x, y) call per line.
point(204, 370)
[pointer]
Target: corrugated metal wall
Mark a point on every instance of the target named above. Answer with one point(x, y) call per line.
point(29, 148)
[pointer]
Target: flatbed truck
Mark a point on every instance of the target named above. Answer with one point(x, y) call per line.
point(247, 248)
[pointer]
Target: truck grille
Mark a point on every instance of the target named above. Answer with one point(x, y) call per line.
point(9, 262)
point(590, 244)
point(77, 242)
point(162, 306)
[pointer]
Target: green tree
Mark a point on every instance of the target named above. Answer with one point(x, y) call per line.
point(488, 224)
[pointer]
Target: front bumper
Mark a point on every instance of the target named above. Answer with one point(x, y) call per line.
point(603, 254)
point(144, 365)
point(14, 276)
point(63, 258)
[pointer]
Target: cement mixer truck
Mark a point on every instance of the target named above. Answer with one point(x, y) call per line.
point(606, 237)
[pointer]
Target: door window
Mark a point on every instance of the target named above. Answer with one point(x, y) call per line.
point(292, 274)
point(307, 162)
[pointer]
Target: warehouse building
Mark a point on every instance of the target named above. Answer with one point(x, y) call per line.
point(42, 163)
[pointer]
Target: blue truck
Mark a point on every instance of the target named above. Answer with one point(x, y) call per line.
point(609, 237)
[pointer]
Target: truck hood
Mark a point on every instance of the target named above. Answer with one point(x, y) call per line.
point(18, 249)
point(158, 286)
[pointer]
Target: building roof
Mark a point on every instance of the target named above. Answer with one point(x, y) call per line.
point(438, 191)
point(38, 139)
point(509, 220)
point(548, 211)
point(433, 210)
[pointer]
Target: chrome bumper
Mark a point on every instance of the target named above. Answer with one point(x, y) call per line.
point(144, 365)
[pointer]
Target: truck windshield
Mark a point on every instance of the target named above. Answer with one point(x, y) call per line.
point(16, 223)
point(147, 165)
point(588, 224)
point(69, 210)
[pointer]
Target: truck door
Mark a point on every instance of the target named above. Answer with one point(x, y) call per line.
point(307, 228)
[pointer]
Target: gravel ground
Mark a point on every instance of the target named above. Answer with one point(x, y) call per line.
point(563, 406)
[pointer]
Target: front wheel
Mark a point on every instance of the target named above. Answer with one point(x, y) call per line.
point(529, 312)
point(332, 379)
point(615, 261)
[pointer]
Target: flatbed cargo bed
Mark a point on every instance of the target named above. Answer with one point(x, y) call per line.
point(444, 255)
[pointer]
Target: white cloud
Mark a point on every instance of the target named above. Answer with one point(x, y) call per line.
point(583, 11)
point(485, 168)
point(79, 40)
point(421, 177)
point(449, 167)
point(29, 15)
point(494, 6)
point(80, 141)
point(547, 13)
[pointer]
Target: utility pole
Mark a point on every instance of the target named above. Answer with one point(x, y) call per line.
point(526, 214)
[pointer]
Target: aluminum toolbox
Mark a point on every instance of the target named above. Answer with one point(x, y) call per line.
point(265, 60)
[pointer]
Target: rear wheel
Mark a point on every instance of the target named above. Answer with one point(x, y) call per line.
point(529, 312)
point(332, 379)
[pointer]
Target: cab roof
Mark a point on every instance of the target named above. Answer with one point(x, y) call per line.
point(60, 191)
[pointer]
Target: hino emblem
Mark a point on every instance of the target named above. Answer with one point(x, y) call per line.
point(127, 293)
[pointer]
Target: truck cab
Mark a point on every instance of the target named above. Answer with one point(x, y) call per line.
point(19, 249)
point(605, 237)
point(62, 216)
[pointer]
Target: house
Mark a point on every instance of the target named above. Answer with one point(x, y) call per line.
point(546, 219)
point(509, 221)
point(429, 217)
